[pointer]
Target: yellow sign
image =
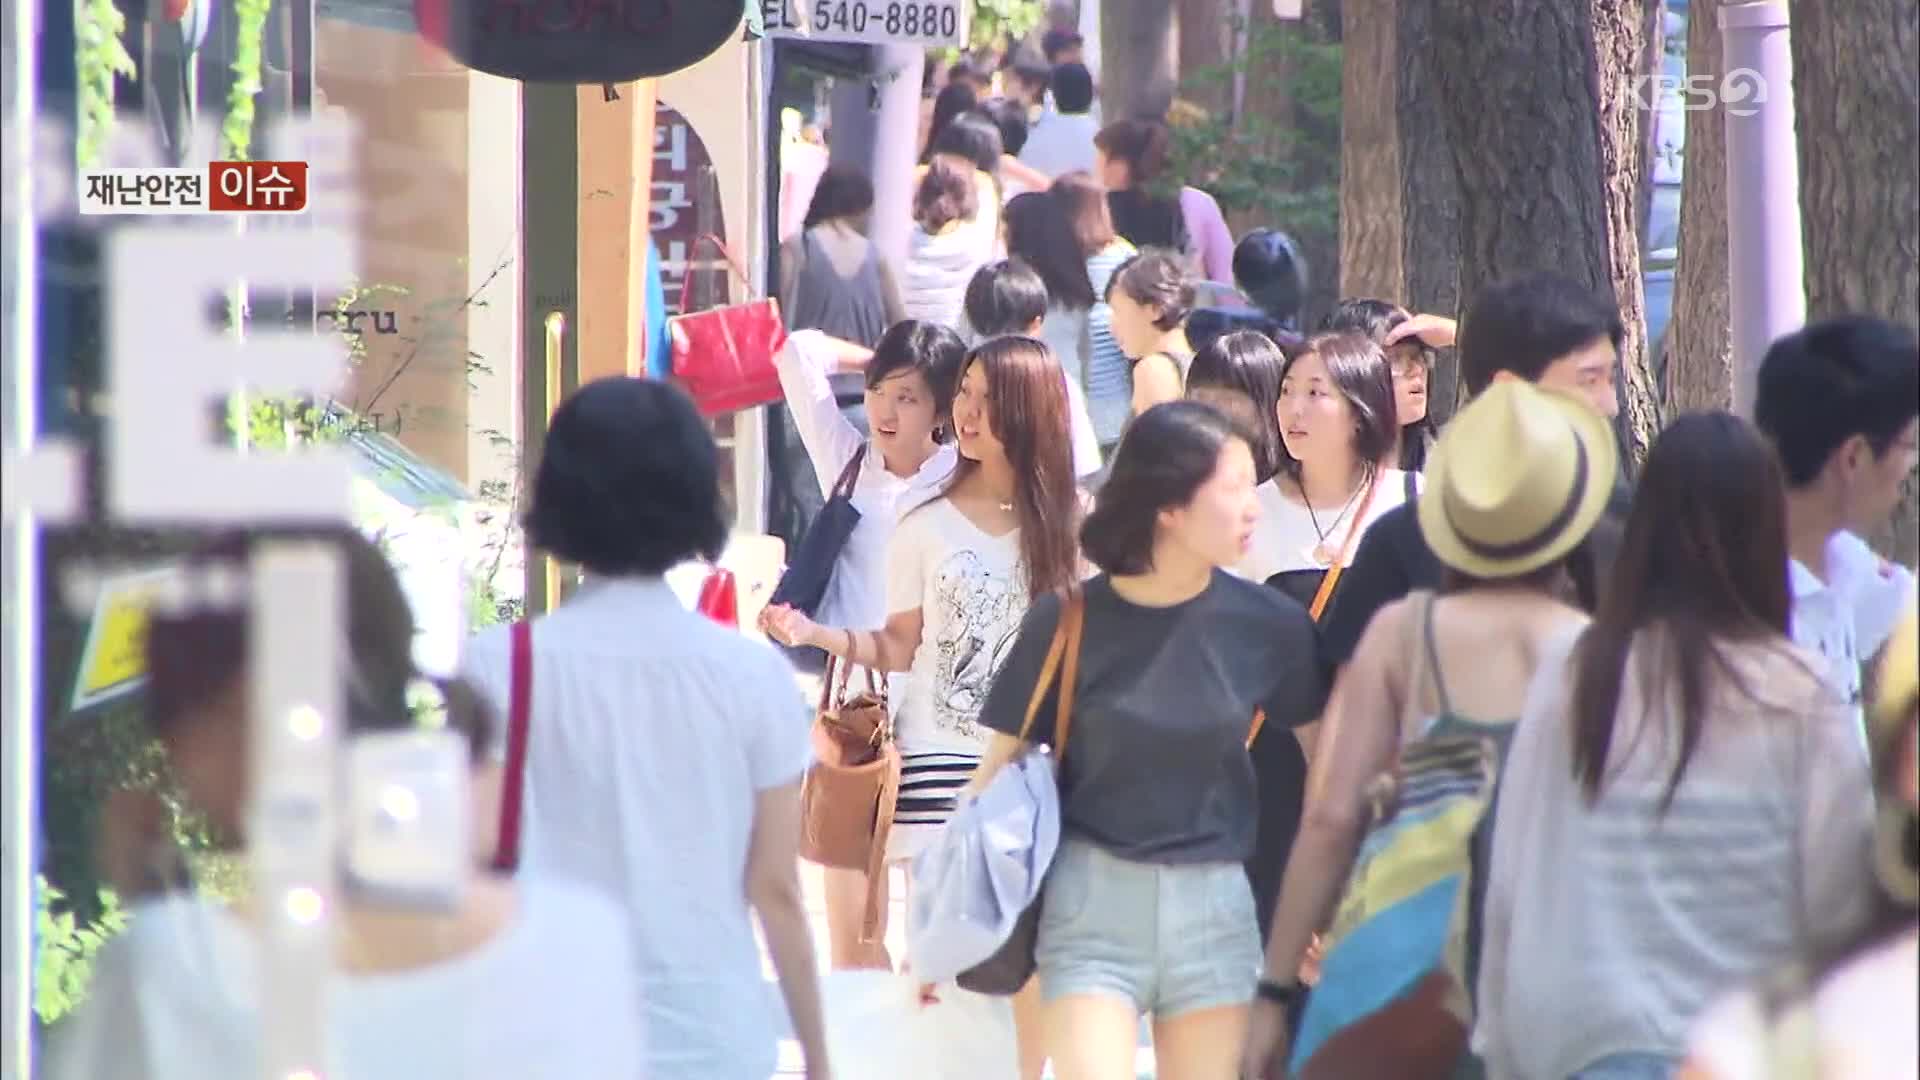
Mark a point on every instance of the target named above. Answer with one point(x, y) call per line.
point(114, 661)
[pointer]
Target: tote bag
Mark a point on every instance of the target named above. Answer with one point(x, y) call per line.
point(805, 582)
point(723, 356)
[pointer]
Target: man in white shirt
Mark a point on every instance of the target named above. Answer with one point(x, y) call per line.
point(1062, 140)
point(1840, 400)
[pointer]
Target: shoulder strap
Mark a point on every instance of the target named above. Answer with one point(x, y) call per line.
point(1431, 649)
point(513, 781)
point(1354, 528)
point(1065, 644)
point(1413, 657)
point(1412, 481)
point(850, 475)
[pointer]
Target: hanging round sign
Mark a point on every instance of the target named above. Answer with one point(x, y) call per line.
point(584, 42)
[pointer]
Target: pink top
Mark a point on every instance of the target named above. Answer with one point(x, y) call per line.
point(1208, 238)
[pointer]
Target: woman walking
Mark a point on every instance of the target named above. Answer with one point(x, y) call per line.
point(908, 459)
point(1682, 785)
point(832, 279)
point(961, 571)
point(1151, 295)
point(1518, 480)
point(947, 243)
point(1148, 908)
point(665, 752)
point(1411, 360)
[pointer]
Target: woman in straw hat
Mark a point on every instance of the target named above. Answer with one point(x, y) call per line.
point(1683, 786)
point(1514, 485)
point(1848, 1013)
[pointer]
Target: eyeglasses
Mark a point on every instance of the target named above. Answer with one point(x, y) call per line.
point(1406, 363)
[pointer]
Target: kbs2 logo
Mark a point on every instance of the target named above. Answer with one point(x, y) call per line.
point(1740, 92)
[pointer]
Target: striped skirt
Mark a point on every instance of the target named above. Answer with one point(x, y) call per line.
point(928, 784)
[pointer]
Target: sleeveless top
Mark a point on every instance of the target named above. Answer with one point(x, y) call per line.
point(849, 308)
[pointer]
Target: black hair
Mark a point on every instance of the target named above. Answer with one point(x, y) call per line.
point(1249, 364)
point(1702, 563)
point(1524, 324)
point(963, 70)
point(1268, 267)
point(1059, 40)
point(1159, 279)
point(1005, 297)
point(974, 136)
point(948, 105)
point(1376, 319)
point(1010, 117)
point(1359, 372)
point(1033, 73)
point(196, 655)
point(1166, 455)
point(628, 481)
point(1828, 382)
point(843, 192)
point(1041, 236)
point(1072, 86)
point(935, 351)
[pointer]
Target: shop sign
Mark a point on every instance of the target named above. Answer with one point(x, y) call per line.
point(684, 207)
point(935, 24)
point(583, 42)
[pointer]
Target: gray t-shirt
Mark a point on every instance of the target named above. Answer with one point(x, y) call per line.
point(1156, 767)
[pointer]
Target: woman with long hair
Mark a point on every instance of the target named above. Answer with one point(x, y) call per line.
point(961, 571)
point(1846, 1012)
point(1411, 360)
point(1241, 375)
point(906, 458)
point(1150, 295)
point(947, 244)
point(1337, 425)
point(953, 101)
point(1067, 235)
point(1129, 156)
point(832, 278)
point(1147, 906)
point(1518, 480)
point(1682, 786)
point(1009, 298)
point(458, 984)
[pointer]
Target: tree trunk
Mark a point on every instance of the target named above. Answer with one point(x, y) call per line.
point(1399, 210)
point(1206, 43)
point(1541, 117)
point(1699, 367)
point(1855, 70)
point(1136, 46)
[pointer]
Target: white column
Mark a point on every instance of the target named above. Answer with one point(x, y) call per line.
point(896, 146)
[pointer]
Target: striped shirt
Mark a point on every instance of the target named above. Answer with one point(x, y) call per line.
point(1610, 927)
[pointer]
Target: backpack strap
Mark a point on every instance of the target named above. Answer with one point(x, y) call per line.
point(514, 778)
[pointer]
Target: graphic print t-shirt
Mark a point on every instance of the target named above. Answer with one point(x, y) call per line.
point(972, 593)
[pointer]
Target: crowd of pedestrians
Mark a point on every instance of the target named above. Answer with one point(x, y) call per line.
point(1399, 748)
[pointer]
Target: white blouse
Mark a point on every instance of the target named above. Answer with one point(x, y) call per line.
point(653, 730)
point(177, 997)
point(856, 596)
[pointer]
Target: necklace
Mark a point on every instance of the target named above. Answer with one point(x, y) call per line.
point(1007, 507)
point(1323, 552)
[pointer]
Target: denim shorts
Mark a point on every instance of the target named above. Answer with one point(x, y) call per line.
point(1170, 939)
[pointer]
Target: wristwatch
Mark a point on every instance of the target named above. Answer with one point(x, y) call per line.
point(1284, 994)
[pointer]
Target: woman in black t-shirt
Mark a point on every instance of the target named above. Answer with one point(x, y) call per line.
point(1148, 908)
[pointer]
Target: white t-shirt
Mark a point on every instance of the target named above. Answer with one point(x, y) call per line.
point(856, 594)
point(1849, 616)
point(176, 997)
point(1862, 1025)
point(1284, 538)
point(971, 590)
point(652, 731)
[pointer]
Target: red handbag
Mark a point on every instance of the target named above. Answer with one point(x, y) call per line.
point(723, 356)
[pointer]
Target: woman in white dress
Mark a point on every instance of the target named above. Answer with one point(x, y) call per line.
point(497, 979)
point(908, 459)
point(961, 571)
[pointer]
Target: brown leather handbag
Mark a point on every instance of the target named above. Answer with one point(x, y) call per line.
point(848, 796)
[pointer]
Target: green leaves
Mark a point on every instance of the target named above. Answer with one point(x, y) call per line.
point(65, 949)
point(995, 19)
point(99, 55)
point(236, 132)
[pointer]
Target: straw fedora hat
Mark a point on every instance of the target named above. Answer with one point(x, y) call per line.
point(1517, 479)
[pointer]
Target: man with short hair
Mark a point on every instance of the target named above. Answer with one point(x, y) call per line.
point(1062, 141)
point(1009, 297)
point(1027, 83)
point(1063, 45)
point(1840, 400)
point(1541, 328)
